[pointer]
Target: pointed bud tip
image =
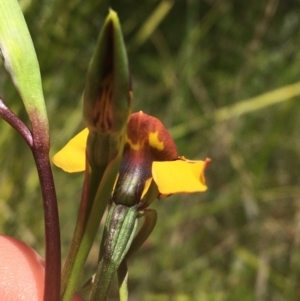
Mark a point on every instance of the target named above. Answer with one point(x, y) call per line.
point(112, 17)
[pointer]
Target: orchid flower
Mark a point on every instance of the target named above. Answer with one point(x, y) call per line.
point(149, 155)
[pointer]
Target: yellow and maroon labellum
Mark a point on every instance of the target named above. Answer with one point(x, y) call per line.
point(147, 140)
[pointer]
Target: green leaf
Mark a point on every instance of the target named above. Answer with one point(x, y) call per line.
point(21, 62)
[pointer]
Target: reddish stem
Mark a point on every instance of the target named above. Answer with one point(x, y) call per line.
point(52, 231)
point(39, 145)
point(7, 115)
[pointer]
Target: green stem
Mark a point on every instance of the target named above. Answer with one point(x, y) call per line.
point(78, 233)
point(120, 234)
point(93, 219)
point(150, 218)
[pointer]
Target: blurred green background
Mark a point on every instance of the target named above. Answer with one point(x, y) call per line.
point(205, 68)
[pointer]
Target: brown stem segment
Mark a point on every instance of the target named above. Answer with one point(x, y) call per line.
point(7, 115)
point(52, 232)
point(39, 145)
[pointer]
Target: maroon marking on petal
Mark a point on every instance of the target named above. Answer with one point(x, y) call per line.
point(140, 126)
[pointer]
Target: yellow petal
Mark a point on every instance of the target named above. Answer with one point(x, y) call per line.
point(71, 158)
point(180, 176)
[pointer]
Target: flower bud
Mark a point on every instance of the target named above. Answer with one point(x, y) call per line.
point(107, 95)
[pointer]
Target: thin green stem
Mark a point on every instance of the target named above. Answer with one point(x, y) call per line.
point(78, 232)
point(122, 226)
